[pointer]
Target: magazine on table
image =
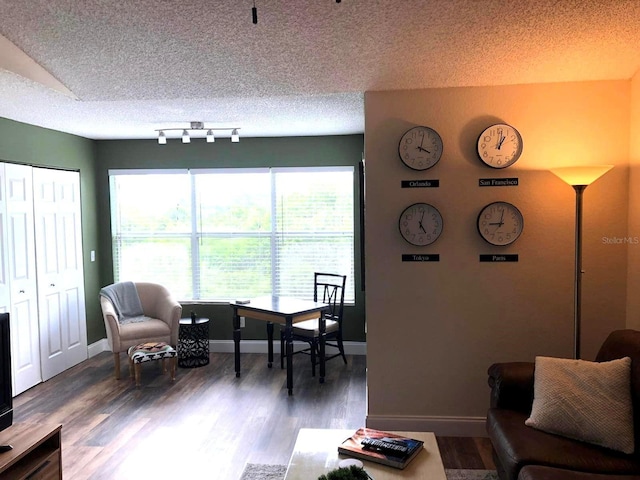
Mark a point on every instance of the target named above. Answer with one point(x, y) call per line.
point(381, 447)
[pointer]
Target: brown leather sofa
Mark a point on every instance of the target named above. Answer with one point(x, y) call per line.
point(524, 453)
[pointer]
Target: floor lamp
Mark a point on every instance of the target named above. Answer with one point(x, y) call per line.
point(579, 178)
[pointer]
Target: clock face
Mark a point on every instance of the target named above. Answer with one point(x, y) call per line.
point(500, 223)
point(500, 146)
point(420, 224)
point(420, 148)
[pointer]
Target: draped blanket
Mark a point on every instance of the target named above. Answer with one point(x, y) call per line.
point(125, 300)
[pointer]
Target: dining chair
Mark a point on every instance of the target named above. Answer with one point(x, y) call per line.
point(328, 288)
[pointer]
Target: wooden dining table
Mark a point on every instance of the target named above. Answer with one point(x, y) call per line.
point(286, 311)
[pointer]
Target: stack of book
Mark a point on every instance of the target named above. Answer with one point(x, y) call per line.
point(381, 447)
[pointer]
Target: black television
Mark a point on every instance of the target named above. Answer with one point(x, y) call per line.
point(6, 391)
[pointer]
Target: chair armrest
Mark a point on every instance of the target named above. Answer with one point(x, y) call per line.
point(512, 385)
point(111, 323)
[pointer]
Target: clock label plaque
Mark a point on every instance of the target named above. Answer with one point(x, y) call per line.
point(409, 257)
point(419, 183)
point(503, 258)
point(498, 182)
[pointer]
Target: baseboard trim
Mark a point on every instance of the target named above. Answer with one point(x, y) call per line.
point(246, 346)
point(443, 426)
point(98, 347)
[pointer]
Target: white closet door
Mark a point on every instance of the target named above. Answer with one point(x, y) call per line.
point(63, 332)
point(25, 345)
point(5, 286)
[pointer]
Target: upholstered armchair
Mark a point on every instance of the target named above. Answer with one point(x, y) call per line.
point(160, 323)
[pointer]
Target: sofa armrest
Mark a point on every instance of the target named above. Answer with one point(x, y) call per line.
point(512, 385)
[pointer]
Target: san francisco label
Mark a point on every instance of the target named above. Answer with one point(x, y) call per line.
point(498, 182)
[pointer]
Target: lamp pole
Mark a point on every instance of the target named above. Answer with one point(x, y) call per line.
point(577, 287)
point(579, 177)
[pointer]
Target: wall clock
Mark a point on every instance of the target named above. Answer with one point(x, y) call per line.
point(500, 223)
point(420, 148)
point(499, 146)
point(420, 224)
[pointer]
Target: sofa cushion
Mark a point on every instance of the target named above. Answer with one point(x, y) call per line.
point(517, 445)
point(538, 472)
point(587, 401)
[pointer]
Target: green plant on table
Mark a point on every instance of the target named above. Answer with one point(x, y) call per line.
point(347, 473)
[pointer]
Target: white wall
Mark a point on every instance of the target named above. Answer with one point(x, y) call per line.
point(435, 328)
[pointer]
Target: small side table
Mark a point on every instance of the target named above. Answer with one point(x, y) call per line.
point(193, 343)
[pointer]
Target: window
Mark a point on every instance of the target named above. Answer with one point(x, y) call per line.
point(224, 234)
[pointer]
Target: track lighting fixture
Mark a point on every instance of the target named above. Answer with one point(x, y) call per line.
point(197, 127)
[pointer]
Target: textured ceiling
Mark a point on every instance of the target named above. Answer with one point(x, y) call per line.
point(140, 65)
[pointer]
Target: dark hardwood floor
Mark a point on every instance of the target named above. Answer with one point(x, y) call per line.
point(208, 423)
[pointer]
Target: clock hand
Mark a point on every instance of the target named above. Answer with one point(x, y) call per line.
point(421, 148)
point(501, 141)
point(420, 223)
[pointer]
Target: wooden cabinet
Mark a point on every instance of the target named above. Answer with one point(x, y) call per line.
point(36, 453)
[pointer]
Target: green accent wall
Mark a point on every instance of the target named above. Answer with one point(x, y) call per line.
point(41, 147)
point(343, 150)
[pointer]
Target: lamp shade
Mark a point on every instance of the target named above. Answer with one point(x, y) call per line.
point(581, 175)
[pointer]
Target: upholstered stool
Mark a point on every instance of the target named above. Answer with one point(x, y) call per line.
point(146, 352)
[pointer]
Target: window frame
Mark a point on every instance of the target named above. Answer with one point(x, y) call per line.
point(196, 233)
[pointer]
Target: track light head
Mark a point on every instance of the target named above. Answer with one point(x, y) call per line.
point(210, 137)
point(235, 137)
point(185, 137)
point(162, 138)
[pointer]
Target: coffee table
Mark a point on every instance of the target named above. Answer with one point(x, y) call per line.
point(316, 452)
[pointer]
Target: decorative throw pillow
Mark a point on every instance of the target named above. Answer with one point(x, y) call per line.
point(587, 401)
